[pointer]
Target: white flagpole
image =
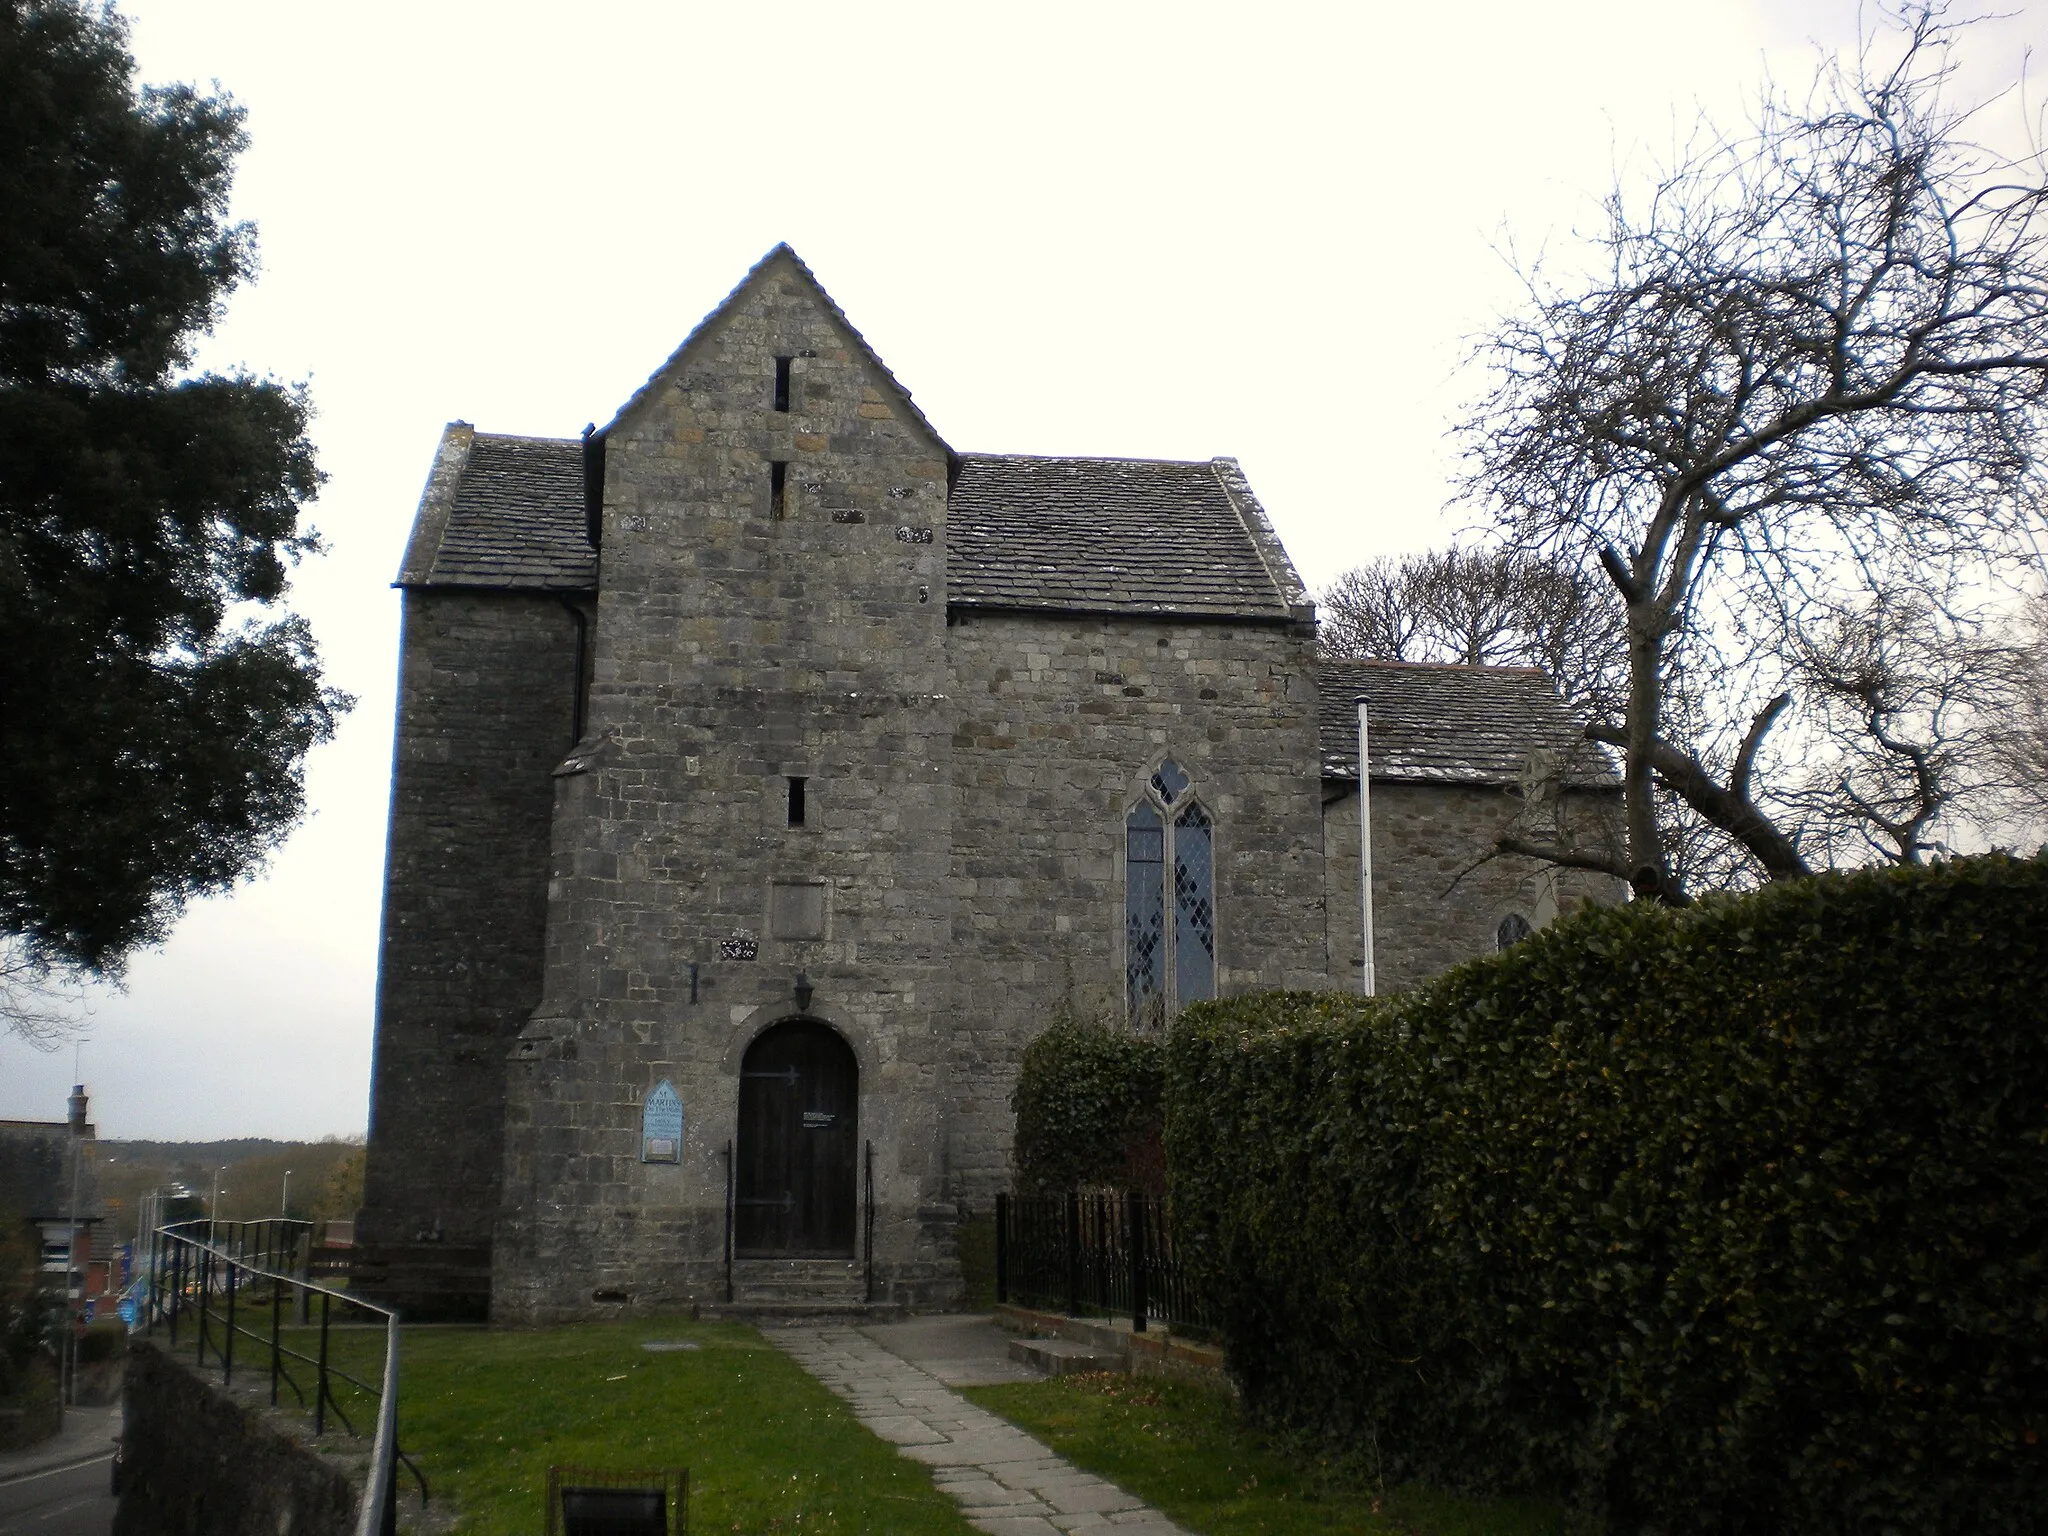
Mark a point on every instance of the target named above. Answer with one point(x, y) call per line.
point(1365, 847)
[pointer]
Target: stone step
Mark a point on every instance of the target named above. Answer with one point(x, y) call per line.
point(799, 1282)
point(1065, 1357)
point(780, 1313)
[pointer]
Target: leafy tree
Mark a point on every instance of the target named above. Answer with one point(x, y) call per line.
point(341, 1192)
point(156, 703)
point(1815, 364)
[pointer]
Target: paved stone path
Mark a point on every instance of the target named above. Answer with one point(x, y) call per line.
point(1007, 1483)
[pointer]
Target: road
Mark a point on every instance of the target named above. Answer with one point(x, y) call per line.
point(73, 1502)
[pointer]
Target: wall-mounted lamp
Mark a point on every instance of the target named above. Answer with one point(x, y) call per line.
point(802, 992)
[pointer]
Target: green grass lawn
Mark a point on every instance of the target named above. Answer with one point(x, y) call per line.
point(1180, 1446)
point(485, 1413)
point(768, 1448)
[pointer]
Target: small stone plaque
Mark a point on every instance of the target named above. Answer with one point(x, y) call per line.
point(796, 909)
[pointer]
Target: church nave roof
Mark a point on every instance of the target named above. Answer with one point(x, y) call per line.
point(1131, 536)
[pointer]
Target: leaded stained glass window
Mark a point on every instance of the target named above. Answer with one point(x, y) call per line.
point(1145, 914)
point(1170, 868)
point(1194, 908)
point(1168, 781)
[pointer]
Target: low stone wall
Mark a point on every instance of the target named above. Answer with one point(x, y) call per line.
point(198, 1460)
point(1156, 1352)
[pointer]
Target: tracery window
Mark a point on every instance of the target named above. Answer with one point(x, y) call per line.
point(1169, 900)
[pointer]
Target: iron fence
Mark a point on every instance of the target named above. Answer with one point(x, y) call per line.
point(1100, 1253)
point(868, 1224)
point(211, 1280)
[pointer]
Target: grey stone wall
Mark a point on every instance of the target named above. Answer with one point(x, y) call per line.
point(1438, 899)
point(735, 649)
point(1061, 720)
point(197, 1461)
point(485, 710)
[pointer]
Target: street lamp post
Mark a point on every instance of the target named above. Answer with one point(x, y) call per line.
point(284, 1198)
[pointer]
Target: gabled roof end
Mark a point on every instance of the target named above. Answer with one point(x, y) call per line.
point(784, 252)
point(451, 457)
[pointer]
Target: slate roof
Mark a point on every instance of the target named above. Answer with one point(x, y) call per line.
point(35, 1170)
point(1116, 536)
point(1056, 534)
point(503, 512)
point(1059, 534)
point(1449, 724)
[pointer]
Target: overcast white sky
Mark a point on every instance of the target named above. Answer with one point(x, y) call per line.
point(1173, 230)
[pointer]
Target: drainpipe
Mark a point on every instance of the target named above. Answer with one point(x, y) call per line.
point(580, 705)
point(1365, 847)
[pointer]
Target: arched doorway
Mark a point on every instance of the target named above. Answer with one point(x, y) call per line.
point(795, 1192)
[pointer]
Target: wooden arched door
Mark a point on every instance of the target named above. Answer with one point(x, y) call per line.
point(796, 1192)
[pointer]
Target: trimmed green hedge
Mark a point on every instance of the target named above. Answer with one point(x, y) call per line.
point(1089, 1104)
point(1730, 1220)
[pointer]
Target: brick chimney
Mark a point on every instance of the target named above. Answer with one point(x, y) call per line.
point(80, 1126)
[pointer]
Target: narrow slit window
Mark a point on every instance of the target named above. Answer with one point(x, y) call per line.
point(796, 801)
point(782, 382)
point(778, 489)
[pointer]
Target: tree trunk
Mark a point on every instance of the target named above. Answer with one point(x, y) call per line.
point(1649, 871)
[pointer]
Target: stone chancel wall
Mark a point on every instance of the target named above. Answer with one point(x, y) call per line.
point(1439, 896)
point(1461, 756)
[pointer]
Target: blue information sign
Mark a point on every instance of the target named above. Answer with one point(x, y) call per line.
point(661, 1125)
point(127, 1310)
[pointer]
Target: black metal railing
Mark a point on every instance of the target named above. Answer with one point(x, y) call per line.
point(1102, 1254)
point(867, 1206)
point(729, 1207)
point(209, 1281)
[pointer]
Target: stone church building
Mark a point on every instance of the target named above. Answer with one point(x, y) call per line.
point(768, 773)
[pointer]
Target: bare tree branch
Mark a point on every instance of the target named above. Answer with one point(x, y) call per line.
point(1745, 759)
point(1817, 359)
point(1600, 861)
point(38, 1004)
point(1687, 778)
